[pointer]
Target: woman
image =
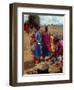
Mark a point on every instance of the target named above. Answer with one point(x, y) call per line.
point(38, 48)
point(46, 44)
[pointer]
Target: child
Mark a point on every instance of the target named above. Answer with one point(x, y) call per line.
point(52, 47)
point(58, 51)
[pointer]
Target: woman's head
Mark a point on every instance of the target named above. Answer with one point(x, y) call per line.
point(37, 27)
point(27, 27)
point(46, 28)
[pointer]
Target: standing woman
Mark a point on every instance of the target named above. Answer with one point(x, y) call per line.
point(38, 49)
point(27, 46)
point(46, 44)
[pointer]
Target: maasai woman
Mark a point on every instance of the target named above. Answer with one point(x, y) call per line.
point(46, 44)
point(27, 46)
point(38, 49)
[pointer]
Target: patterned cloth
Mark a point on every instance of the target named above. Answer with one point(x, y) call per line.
point(38, 50)
point(46, 44)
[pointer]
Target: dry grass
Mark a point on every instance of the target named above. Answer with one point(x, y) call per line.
point(53, 30)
